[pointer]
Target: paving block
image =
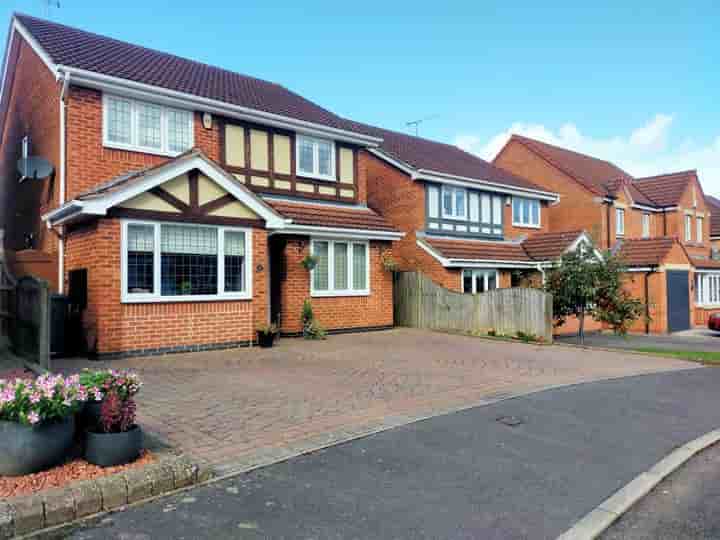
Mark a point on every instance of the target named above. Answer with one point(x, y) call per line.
point(139, 484)
point(29, 513)
point(7, 525)
point(88, 498)
point(163, 480)
point(59, 506)
point(114, 491)
point(184, 472)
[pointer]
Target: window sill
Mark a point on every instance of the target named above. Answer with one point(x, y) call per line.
point(139, 149)
point(141, 299)
point(526, 226)
point(334, 294)
point(308, 176)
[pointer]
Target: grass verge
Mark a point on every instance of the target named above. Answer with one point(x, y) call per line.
point(704, 357)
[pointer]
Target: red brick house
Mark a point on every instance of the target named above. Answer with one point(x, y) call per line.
point(188, 195)
point(661, 224)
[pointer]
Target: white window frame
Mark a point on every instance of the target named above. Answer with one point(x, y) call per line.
point(699, 222)
point(646, 225)
point(619, 222)
point(331, 290)
point(525, 206)
point(134, 146)
point(688, 228)
point(707, 289)
point(454, 210)
point(474, 271)
point(156, 296)
point(315, 173)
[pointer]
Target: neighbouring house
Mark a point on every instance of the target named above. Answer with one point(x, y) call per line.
point(714, 205)
point(185, 197)
point(635, 216)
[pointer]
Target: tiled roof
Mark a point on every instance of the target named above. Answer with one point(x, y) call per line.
point(549, 246)
point(478, 250)
point(597, 175)
point(422, 153)
point(645, 251)
point(666, 189)
point(714, 215)
point(329, 215)
point(706, 263)
point(84, 50)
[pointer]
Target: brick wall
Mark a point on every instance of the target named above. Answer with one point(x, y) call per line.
point(341, 312)
point(32, 107)
point(121, 327)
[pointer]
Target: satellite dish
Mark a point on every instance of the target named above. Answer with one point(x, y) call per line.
point(34, 167)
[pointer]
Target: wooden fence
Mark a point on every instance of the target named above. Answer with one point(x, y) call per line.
point(421, 303)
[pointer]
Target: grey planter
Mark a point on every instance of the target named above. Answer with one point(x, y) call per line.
point(90, 415)
point(110, 449)
point(30, 449)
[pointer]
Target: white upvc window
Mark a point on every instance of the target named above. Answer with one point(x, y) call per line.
point(454, 202)
point(646, 225)
point(342, 269)
point(699, 233)
point(688, 228)
point(130, 124)
point(315, 157)
point(526, 212)
point(619, 222)
point(707, 289)
point(180, 262)
point(476, 280)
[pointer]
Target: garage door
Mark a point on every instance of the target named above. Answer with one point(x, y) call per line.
point(678, 300)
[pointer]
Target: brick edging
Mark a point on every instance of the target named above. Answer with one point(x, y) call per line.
point(351, 330)
point(29, 514)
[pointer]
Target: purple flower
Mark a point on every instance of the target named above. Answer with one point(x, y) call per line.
point(33, 418)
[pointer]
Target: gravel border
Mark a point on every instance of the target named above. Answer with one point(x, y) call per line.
point(29, 515)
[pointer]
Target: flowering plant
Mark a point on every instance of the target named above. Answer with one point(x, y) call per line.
point(49, 398)
point(99, 383)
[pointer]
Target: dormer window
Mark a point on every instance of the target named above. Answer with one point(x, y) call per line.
point(141, 126)
point(315, 158)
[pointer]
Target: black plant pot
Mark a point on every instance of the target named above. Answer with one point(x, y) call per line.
point(266, 340)
point(30, 449)
point(89, 416)
point(110, 449)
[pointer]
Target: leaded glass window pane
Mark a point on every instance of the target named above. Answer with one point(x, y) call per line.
point(140, 258)
point(189, 262)
point(320, 273)
point(360, 267)
point(179, 130)
point(305, 158)
point(234, 261)
point(149, 120)
point(341, 265)
point(119, 117)
point(324, 158)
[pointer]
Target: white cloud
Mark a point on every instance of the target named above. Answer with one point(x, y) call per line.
point(642, 152)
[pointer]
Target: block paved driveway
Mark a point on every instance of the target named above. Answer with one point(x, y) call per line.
point(223, 405)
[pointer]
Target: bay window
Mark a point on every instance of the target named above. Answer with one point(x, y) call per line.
point(342, 269)
point(476, 281)
point(315, 157)
point(164, 262)
point(454, 202)
point(526, 212)
point(707, 289)
point(131, 124)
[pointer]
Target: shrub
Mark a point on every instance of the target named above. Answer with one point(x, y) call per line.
point(49, 398)
point(117, 415)
point(313, 330)
point(267, 328)
point(101, 382)
point(527, 337)
point(307, 313)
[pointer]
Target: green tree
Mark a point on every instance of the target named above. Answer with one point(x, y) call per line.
point(583, 284)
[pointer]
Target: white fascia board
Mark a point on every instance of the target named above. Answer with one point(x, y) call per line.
point(647, 208)
point(339, 232)
point(641, 269)
point(184, 100)
point(434, 176)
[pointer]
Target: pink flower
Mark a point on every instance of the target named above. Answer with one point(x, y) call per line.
point(35, 397)
point(33, 418)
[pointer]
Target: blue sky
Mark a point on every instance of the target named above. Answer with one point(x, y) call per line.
point(633, 82)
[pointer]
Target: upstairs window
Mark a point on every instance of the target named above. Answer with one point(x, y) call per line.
point(688, 228)
point(146, 127)
point(619, 222)
point(646, 225)
point(526, 212)
point(454, 202)
point(699, 237)
point(315, 158)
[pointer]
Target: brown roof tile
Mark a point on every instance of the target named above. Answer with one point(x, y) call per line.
point(325, 215)
point(645, 251)
point(595, 174)
point(549, 246)
point(478, 250)
point(666, 189)
point(706, 263)
point(714, 215)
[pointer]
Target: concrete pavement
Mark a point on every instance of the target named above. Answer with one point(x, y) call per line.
point(696, 340)
point(552, 457)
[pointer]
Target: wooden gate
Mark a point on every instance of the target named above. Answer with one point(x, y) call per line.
point(421, 303)
point(30, 322)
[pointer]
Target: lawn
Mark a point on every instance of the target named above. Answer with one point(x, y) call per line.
point(710, 358)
